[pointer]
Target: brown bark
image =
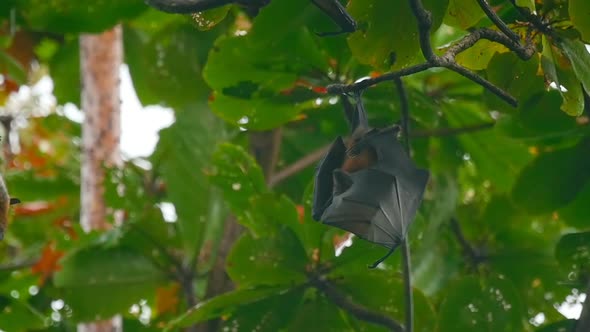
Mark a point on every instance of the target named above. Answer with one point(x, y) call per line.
point(100, 59)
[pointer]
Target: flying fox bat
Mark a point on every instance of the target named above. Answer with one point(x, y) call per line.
point(369, 186)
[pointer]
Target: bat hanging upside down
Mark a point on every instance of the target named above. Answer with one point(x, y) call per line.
point(368, 186)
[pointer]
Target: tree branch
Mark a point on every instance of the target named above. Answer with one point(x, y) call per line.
point(356, 310)
point(19, 265)
point(474, 256)
point(505, 37)
point(186, 6)
point(497, 20)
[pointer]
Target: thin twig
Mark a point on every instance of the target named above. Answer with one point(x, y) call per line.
point(468, 250)
point(406, 258)
point(441, 132)
point(356, 310)
point(19, 265)
point(297, 166)
point(316, 155)
point(497, 20)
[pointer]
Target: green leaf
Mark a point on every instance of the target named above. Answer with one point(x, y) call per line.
point(225, 304)
point(28, 186)
point(318, 314)
point(64, 16)
point(553, 179)
point(182, 154)
point(65, 72)
point(208, 19)
point(13, 68)
point(240, 178)
point(20, 316)
point(378, 36)
point(271, 314)
point(472, 304)
point(573, 254)
point(463, 14)
point(114, 278)
point(376, 283)
point(515, 76)
point(579, 11)
point(540, 121)
point(274, 260)
point(166, 67)
point(479, 55)
point(496, 157)
point(579, 57)
point(254, 79)
point(576, 213)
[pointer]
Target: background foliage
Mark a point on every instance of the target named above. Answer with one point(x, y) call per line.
point(502, 237)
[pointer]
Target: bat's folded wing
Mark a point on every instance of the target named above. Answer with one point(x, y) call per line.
point(324, 184)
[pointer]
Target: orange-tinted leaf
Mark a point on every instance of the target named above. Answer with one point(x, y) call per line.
point(66, 224)
point(33, 208)
point(48, 263)
point(320, 89)
point(300, 213)
point(167, 299)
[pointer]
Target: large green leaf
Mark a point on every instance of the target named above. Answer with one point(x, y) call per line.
point(64, 16)
point(254, 80)
point(227, 304)
point(166, 66)
point(579, 57)
point(573, 253)
point(577, 213)
point(317, 314)
point(495, 157)
point(463, 14)
point(579, 11)
point(515, 76)
point(389, 27)
point(20, 316)
point(472, 304)
point(274, 260)
point(64, 67)
point(240, 179)
point(540, 121)
point(98, 282)
point(553, 179)
point(182, 154)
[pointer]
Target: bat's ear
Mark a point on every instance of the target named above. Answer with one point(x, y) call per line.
point(14, 201)
point(341, 181)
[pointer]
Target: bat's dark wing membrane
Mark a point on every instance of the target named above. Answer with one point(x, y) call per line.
point(410, 181)
point(324, 183)
point(366, 208)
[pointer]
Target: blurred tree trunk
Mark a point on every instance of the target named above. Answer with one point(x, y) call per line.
point(100, 59)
